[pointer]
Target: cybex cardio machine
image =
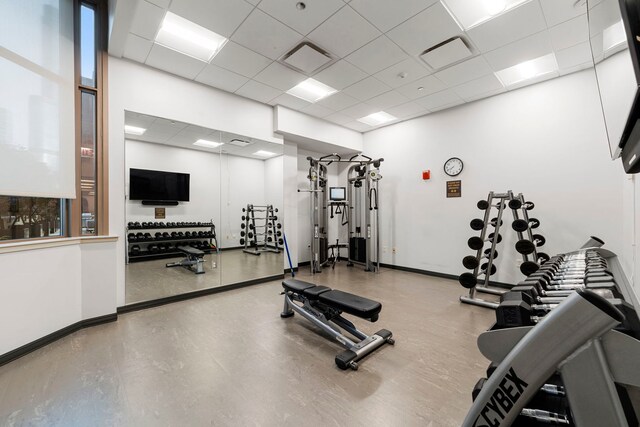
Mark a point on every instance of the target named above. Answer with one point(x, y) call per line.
point(356, 205)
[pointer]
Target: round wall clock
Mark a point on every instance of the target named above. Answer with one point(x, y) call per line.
point(453, 166)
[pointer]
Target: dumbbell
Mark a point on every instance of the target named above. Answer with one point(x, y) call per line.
point(476, 242)
point(250, 234)
point(468, 280)
point(484, 205)
point(517, 204)
point(243, 226)
point(147, 236)
point(242, 241)
point(244, 209)
point(135, 250)
point(166, 235)
point(158, 235)
point(130, 224)
point(153, 249)
point(139, 236)
point(472, 262)
point(521, 225)
point(181, 234)
point(251, 226)
point(527, 247)
point(279, 226)
point(280, 242)
point(478, 224)
point(131, 237)
point(269, 239)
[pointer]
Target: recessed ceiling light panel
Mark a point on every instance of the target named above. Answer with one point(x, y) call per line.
point(473, 13)
point(263, 153)
point(613, 37)
point(207, 144)
point(311, 90)
point(528, 70)
point(134, 130)
point(188, 38)
point(378, 118)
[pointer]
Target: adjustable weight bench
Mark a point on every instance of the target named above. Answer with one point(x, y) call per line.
point(323, 307)
point(193, 260)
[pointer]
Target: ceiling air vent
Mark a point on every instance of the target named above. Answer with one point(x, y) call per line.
point(446, 53)
point(307, 58)
point(240, 142)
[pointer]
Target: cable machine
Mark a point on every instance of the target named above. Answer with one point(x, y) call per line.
point(356, 205)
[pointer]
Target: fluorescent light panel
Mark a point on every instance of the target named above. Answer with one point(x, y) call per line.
point(188, 38)
point(207, 144)
point(134, 130)
point(613, 36)
point(528, 70)
point(311, 90)
point(473, 13)
point(263, 153)
point(376, 119)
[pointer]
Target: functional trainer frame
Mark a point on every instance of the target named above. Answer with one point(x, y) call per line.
point(323, 307)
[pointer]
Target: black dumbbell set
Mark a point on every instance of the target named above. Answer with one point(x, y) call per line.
point(555, 286)
point(166, 243)
point(260, 229)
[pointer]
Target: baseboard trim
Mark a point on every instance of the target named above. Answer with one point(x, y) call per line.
point(438, 274)
point(195, 294)
point(54, 336)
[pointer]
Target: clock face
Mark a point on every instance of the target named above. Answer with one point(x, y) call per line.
point(453, 166)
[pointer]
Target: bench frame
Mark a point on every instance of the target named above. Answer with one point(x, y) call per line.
point(330, 320)
point(193, 261)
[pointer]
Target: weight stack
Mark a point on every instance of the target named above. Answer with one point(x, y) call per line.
point(358, 249)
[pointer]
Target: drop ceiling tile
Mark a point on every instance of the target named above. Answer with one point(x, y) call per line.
point(565, 71)
point(442, 99)
point(535, 80)
point(339, 118)
point(405, 110)
point(486, 95)
point(161, 3)
point(223, 79)
point(367, 88)
point(146, 20)
point(428, 28)
point(278, 76)
point(387, 100)
point(464, 72)
point(254, 2)
point(258, 91)
point(557, 11)
point(263, 34)
point(358, 126)
point(241, 60)
point(359, 110)
point(219, 16)
point(516, 24)
point(481, 86)
point(338, 101)
point(174, 62)
point(137, 48)
point(340, 75)
point(528, 48)
point(570, 33)
point(344, 32)
point(317, 110)
point(290, 101)
point(410, 69)
point(377, 55)
point(574, 56)
point(303, 21)
point(386, 14)
point(429, 84)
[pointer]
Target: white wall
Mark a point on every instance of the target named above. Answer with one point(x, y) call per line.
point(546, 141)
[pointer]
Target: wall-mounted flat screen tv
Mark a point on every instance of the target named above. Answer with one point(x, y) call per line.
point(154, 185)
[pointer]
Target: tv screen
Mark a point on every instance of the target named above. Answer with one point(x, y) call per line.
point(337, 194)
point(158, 185)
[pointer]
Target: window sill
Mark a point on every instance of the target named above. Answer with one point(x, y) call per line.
point(36, 244)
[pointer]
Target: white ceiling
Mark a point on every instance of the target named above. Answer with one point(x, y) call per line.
point(183, 135)
point(376, 45)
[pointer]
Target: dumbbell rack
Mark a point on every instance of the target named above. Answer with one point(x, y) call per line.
point(519, 209)
point(262, 231)
point(146, 255)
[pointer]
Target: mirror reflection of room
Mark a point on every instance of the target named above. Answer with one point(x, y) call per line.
point(186, 190)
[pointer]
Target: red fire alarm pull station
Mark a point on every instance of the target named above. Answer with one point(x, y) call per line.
point(426, 175)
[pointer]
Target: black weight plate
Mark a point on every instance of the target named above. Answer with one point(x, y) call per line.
point(477, 224)
point(468, 280)
point(470, 262)
point(475, 243)
point(539, 239)
point(488, 250)
point(529, 205)
point(519, 225)
point(484, 266)
point(483, 205)
point(515, 204)
point(529, 267)
point(525, 247)
point(543, 257)
point(499, 237)
point(534, 222)
point(494, 221)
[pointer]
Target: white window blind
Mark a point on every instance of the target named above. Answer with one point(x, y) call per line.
point(37, 121)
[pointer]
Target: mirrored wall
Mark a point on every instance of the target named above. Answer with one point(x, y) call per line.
point(203, 208)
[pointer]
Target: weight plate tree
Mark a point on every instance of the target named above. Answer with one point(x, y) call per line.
point(260, 230)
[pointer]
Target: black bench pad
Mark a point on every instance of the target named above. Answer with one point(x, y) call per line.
point(297, 286)
point(313, 293)
point(352, 304)
point(190, 251)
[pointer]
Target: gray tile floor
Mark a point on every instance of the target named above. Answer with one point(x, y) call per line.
point(148, 280)
point(230, 360)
